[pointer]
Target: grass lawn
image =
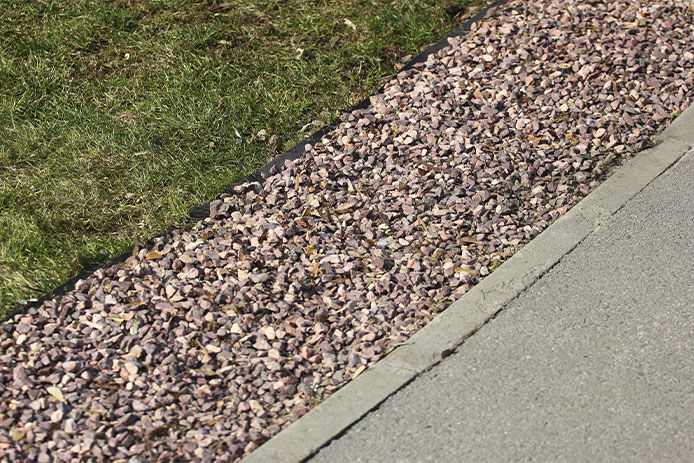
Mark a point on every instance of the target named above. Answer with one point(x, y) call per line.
point(117, 117)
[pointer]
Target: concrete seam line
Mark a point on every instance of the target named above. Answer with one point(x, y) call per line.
point(464, 317)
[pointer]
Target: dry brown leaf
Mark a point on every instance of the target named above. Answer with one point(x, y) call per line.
point(107, 385)
point(345, 207)
point(158, 431)
point(213, 421)
point(436, 256)
point(465, 270)
point(221, 402)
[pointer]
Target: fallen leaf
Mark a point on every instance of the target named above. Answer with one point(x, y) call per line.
point(151, 255)
point(158, 431)
point(213, 421)
point(350, 24)
point(110, 386)
point(430, 167)
point(467, 239)
point(17, 434)
point(57, 393)
point(436, 256)
point(465, 270)
point(221, 402)
point(345, 207)
point(479, 95)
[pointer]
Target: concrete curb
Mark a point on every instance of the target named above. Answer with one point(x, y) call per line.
point(464, 317)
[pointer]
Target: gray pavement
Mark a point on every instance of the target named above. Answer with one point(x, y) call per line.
point(592, 362)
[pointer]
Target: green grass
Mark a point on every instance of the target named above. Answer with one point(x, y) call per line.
point(117, 117)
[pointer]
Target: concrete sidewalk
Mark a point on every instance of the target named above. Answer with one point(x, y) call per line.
point(578, 347)
point(592, 362)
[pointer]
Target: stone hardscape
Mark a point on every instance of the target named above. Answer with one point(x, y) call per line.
point(215, 338)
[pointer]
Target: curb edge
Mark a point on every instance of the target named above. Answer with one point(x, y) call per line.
point(449, 329)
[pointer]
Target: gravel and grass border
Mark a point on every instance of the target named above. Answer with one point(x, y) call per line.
point(117, 117)
point(213, 339)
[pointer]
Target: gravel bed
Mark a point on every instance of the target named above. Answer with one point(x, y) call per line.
point(214, 339)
